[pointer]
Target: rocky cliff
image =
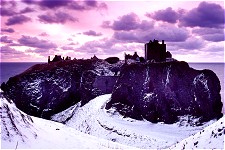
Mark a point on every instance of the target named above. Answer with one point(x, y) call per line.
point(161, 92)
point(46, 89)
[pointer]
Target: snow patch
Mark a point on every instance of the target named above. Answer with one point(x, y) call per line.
point(212, 137)
point(203, 80)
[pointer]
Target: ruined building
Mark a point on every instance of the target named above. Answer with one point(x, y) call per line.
point(58, 58)
point(156, 52)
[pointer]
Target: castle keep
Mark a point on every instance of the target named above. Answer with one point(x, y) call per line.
point(155, 52)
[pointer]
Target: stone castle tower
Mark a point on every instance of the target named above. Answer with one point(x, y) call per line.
point(154, 51)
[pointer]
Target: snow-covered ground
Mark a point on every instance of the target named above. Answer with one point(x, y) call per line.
point(101, 129)
point(212, 137)
point(93, 119)
point(20, 131)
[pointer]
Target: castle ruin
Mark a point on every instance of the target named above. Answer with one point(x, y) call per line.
point(156, 52)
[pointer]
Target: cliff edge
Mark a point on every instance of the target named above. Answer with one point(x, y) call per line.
point(161, 92)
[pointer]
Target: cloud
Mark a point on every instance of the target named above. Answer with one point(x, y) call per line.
point(106, 24)
point(97, 46)
point(54, 3)
point(7, 12)
point(205, 15)
point(5, 39)
point(72, 43)
point(18, 19)
point(127, 22)
point(27, 10)
point(166, 32)
point(58, 17)
point(43, 34)
point(67, 4)
point(214, 37)
point(70, 39)
point(7, 8)
point(210, 34)
point(92, 33)
point(67, 48)
point(91, 3)
point(29, 2)
point(9, 30)
point(190, 44)
point(167, 15)
point(146, 25)
point(7, 49)
point(8, 52)
point(36, 43)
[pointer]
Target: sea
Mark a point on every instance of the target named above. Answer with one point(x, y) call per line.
point(10, 69)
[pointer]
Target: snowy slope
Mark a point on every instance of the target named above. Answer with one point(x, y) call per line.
point(93, 119)
point(19, 130)
point(212, 137)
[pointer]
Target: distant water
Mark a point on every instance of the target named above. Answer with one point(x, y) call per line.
point(8, 70)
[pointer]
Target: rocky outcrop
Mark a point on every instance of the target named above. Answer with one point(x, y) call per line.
point(46, 89)
point(160, 92)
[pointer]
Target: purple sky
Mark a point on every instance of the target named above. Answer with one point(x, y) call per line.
point(31, 30)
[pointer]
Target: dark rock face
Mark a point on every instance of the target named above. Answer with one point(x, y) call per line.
point(160, 92)
point(46, 89)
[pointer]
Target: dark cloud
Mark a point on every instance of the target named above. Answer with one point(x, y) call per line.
point(91, 3)
point(167, 15)
point(6, 3)
point(7, 12)
point(125, 36)
point(27, 10)
point(146, 25)
point(68, 4)
point(18, 19)
point(8, 8)
point(58, 17)
point(5, 39)
point(54, 3)
point(127, 22)
point(92, 33)
point(30, 2)
point(36, 43)
point(9, 30)
point(76, 6)
point(205, 15)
